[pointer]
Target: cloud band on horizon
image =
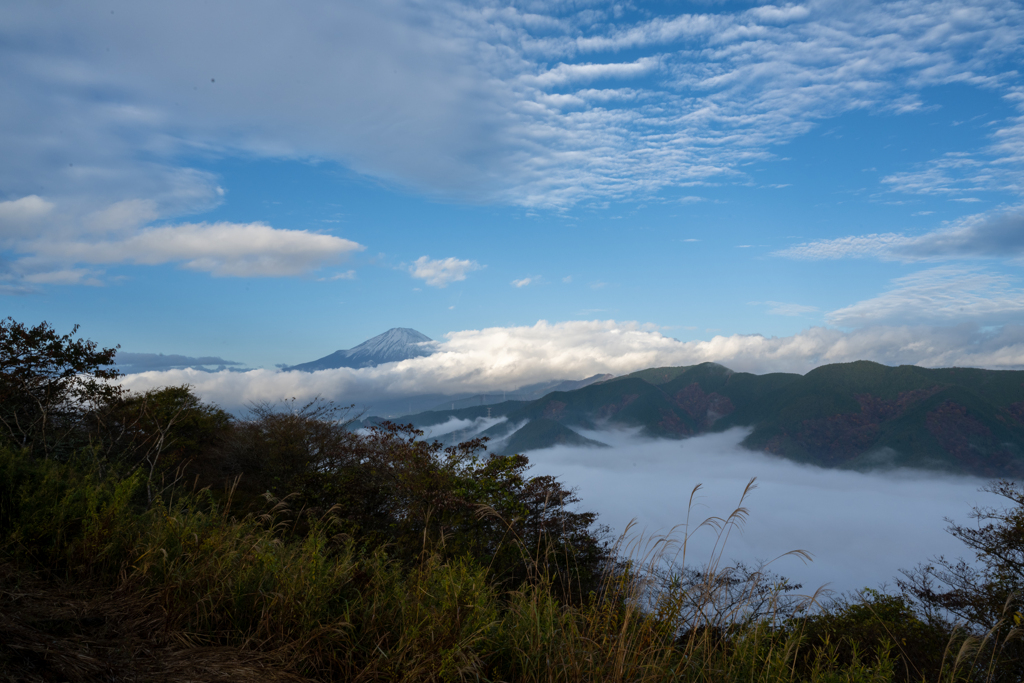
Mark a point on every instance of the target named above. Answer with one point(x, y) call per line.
point(504, 358)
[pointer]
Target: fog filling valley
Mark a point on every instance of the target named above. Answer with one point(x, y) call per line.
point(861, 528)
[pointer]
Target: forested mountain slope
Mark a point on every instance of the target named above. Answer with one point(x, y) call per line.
point(859, 415)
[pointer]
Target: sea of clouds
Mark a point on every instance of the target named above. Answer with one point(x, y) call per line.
point(504, 358)
point(861, 528)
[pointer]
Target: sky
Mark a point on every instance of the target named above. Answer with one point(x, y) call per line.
point(549, 189)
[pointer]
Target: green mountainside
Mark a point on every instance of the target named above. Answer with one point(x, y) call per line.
point(859, 415)
point(544, 433)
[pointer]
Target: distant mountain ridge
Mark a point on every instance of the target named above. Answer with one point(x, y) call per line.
point(397, 344)
point(859, 415)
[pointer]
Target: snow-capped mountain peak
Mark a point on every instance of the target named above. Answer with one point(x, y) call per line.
point(398, 343)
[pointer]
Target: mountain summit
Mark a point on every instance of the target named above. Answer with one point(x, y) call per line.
point(398, 343)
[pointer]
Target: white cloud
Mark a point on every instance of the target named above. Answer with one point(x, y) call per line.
point(787, 309)
point(442, 272)
point(121, 217)
point(993, 168)
point(608, 94)
point(939, 294)
point(347, 275)
point(458, 97)
point(569, 73)
point(15, 214)
point(995, 235)
point(874, 245)
point(67, 276)
point(470, 427)
point(509, 357)
point(522, 283)
point(222, 249)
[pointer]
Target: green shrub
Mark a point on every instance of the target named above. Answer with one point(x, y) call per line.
point(874, 626)
point(75, 517)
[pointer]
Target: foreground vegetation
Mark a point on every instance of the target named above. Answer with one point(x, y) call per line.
point(147, 537)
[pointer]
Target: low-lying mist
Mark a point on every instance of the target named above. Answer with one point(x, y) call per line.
point(466, 429)
point(861, 528)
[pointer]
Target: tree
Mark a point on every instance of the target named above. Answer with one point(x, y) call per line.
point(163, 431)
point(48, 383)
point(977, 593)
point(390, 487)
point(986, 596)
point(285, 449)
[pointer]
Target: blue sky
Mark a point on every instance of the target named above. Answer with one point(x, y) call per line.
point(768, 186)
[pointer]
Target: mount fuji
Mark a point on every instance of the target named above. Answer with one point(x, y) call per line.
point(398, 343)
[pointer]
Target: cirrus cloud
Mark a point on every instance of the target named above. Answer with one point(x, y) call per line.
point(786, 309)
point(460, 98)
point(939, 294)
point(994, 235)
